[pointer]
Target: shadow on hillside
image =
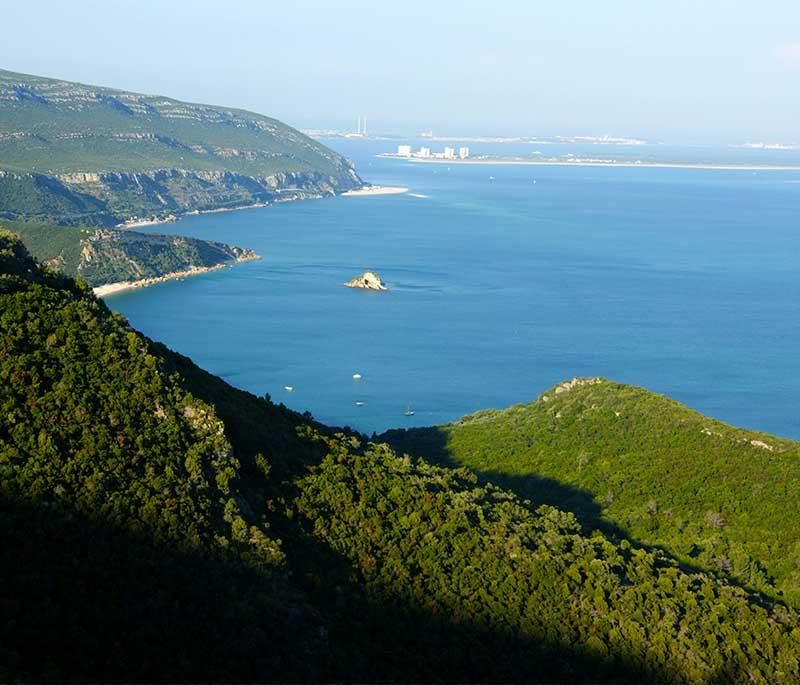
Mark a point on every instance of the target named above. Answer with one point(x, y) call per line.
point(83, 602)
point(431, 444)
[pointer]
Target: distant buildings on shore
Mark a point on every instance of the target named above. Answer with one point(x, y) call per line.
point(425, 153)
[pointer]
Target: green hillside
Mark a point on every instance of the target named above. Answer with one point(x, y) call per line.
point(105, 255)
point(79, 153)
point(642, 466)
point(158, 525)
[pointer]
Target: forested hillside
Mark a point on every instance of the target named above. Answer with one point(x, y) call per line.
point(643, 466)
point(159, 525)
point(84, 154)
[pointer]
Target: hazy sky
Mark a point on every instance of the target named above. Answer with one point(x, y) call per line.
point(694, 70)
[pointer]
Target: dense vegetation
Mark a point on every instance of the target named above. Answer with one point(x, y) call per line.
point(641, 465)
point(157, 524)
point(103, 255)
point(84, 154)
point(44, 198)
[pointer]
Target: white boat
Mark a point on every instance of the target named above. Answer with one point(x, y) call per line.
point(409, 411)
point(288, 388)
point(359, 404)
point(356, 376)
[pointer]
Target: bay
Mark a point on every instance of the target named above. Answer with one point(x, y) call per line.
point(504, 280)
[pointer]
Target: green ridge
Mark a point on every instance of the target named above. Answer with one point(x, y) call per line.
point(645, 466)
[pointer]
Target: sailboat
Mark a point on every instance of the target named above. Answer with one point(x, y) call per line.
point(409, 411)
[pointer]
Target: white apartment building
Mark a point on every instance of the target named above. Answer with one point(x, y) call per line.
point(463, 152)
point(449, 153)
point(424, 152)
point(404, 151)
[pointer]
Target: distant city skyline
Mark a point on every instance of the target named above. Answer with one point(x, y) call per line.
point(720, 71)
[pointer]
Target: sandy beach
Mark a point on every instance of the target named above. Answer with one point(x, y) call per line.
point(121, 286)
point(138, 223)
point(375, 190)
point(219, 210)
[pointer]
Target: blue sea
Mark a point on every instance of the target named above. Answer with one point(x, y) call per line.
point(505, 280)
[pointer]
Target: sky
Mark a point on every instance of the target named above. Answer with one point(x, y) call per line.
point(715, 71)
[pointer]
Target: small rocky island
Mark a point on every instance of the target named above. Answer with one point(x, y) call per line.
point(369, 280)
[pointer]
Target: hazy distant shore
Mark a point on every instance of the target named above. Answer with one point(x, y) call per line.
point(121, 286)
point(598, 163)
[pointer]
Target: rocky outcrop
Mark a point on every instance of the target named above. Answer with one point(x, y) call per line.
point(566, 386)
point(369, 280)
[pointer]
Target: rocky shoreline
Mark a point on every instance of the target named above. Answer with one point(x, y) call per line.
point(114, 288)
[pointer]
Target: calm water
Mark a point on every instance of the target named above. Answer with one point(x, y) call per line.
point(683, 281)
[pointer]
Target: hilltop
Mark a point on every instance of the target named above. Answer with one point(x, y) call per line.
point(81, 154)
point(641, 466)
point(160, 525)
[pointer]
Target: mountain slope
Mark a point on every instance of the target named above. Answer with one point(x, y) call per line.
point(83, 153)
point(158, 525)
point(717, 497)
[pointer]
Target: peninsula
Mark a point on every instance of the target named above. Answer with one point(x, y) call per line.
point(121, 286)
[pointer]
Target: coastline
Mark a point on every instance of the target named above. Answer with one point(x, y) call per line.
point(107, 289)
point(588, 163)
point(218, 210)
point(172, 218)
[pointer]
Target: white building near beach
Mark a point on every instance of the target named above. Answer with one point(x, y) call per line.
point(404, 151)
point(424, 152)
point(463, 152)
point(449, 153)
